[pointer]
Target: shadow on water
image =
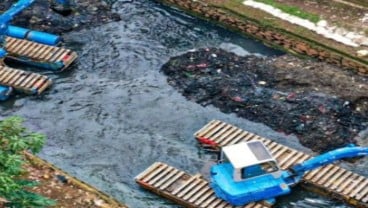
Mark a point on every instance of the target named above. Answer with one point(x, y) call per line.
point(114, 114)
point(303, 199)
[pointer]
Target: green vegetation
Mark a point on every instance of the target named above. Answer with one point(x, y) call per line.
point(14, 140)
point(292, 10)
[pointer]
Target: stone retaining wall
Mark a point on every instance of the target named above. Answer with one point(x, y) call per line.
point(272, 36)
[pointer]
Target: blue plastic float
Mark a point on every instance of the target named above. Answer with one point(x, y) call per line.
point(32, 35)
point(5, 92)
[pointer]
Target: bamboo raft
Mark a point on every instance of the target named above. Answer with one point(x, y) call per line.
point(41, 55)
point(186, 190)
point(194, 191)
point(27, 82)
point(36, 54)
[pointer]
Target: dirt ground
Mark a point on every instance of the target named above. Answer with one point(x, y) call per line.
point(348, 18)
point(56, 186)
point(66, 191)
point(324, 106)
point(339, 13)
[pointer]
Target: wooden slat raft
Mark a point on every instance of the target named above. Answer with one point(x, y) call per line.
point(187, 190)
point(331, 179)
point(38, 53)
point(28, 82)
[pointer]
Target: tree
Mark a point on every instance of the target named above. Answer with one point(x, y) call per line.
point(14, 140)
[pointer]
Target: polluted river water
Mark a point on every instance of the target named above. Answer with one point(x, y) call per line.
point(114, 114)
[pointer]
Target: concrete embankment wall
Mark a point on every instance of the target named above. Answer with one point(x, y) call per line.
point(278, 38)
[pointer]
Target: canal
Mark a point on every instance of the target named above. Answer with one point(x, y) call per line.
point(114, 114)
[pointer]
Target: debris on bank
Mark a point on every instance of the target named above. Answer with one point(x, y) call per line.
point(84, 14)
point(325, 107)
point(64, 188)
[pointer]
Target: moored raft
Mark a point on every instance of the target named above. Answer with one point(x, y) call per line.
point(27, 82)
point(39, 55)
point(30, 47)
point(330, 179)
point(183, 188)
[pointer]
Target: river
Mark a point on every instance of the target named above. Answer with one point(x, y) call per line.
point(114, 114)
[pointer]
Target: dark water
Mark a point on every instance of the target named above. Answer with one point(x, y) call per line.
point(114, 114)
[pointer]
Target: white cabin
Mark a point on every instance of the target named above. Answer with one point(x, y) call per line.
point(249, 159)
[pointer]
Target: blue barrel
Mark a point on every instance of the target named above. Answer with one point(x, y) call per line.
point(63, 2)
point(2, 53)
point(5, 92)
point(42, 37)
point(17, 32)
point(32, 35)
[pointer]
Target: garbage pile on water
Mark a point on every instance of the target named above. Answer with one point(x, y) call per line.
point(323, 106)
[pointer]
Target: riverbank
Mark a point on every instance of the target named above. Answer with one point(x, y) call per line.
point(67, 191)
point(276, 32)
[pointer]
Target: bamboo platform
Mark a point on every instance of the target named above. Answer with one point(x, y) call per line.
point(184, 189)
point(27, 82)
point(50, 57)
point(331, 179)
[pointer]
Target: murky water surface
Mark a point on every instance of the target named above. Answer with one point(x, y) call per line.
point(114, 114)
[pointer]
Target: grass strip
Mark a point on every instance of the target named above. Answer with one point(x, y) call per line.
point(292, 10)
